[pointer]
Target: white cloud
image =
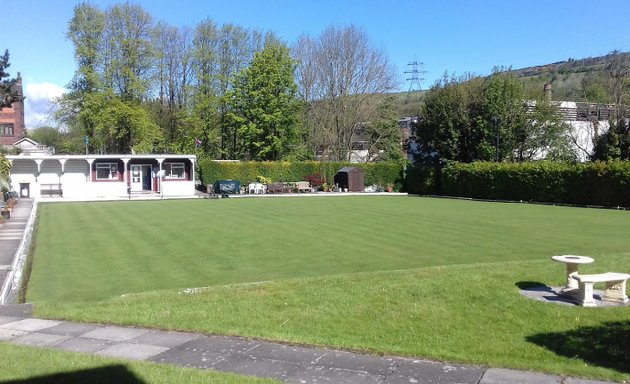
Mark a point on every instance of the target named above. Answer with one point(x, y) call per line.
point(38, 104)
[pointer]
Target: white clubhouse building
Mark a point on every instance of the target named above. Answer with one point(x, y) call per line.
point(86, 177)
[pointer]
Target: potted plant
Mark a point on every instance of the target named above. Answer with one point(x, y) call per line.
point(11, 202)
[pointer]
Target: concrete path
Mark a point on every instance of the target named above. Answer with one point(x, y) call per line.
point(286, 363)
point(11, 234)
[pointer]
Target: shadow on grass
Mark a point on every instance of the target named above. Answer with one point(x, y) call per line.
point(101, 375)
point(607, 345)
point(528, 285)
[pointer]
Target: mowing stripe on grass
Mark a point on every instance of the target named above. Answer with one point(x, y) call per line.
point(88, 251)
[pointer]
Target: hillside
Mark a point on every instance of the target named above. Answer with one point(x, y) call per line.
point(585, 80)
point(574, 79)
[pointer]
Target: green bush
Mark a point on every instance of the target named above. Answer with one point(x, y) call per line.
point(421, 180)
point(380, 174)
point(598, 183)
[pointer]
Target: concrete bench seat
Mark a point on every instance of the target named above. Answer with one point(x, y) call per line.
point(615, 287)
point(51, 190)
point(303, 186)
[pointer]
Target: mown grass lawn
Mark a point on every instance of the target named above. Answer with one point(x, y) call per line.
point(421, 277)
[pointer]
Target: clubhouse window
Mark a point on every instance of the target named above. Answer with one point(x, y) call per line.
point(106, 171)
point(174, 170)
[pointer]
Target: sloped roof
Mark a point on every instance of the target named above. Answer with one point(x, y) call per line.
point(26, 139)
point(349, 169)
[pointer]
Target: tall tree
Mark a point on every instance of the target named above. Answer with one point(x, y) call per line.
point(49, 136)
point(470, 119)
point(340, 71)
point(8, 95)
point(114, 55)
point(85, 30)
point(129, 54)
point(120, 126)
point(615, 143)
point(200, 129)
point(502, 120)
point(173, 66)
point(235, 49)
point(618, 73)
point(383, 135)
point(262, 106)
point(543, 133)
point(447, 129)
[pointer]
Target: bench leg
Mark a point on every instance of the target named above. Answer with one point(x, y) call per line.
point(616, 292)
point(586, 295)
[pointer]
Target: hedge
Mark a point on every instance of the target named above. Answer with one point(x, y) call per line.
point(380, 174)
point(598, 183)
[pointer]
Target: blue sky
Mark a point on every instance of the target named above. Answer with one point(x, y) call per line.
point(447, 35)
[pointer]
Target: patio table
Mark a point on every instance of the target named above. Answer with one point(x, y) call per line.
point(572, 262)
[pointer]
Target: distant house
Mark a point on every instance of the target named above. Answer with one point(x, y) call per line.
point(587, 121)
point(28, 147)
point(12, 118)
point(102, 176)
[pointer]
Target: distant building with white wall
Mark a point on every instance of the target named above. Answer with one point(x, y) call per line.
point(87, 177)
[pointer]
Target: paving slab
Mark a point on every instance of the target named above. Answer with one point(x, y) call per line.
point(83, 345)
point(165, 339)
point(437, 372)
point(36, 339)
point(30, 325)
point(71, 329)
point(189, 358)
point(131, 351)
point(10, 334)
point(571, 380)
point(219, 344)
point(113, 333)
point(273, 369)
point(502, 376)
point(9, 319)
point(318, 375)
point(348, 361)
point(285, 353)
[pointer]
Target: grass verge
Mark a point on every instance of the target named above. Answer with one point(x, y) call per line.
point(64, 367)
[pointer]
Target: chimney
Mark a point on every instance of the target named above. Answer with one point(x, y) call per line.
point(547, 91)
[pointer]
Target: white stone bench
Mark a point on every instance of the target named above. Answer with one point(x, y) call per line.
point(615, 287)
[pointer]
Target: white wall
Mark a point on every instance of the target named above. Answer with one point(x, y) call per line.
point(582, 134)
point(178, 188)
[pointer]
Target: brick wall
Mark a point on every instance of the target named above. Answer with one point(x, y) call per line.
point(13, 116)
